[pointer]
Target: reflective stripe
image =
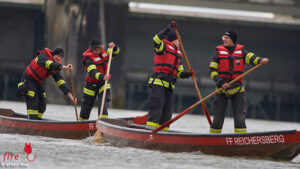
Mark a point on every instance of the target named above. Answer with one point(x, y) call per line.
point(256, 60)
point(240, 130)
point(213, 74)
point(178, 74)
point(180, 68)
point(36, 59)
point(103, 116)
point(60, 82)
point(102, 88)
point(40, 115)
point(149, 123)
point(97, 75)
point(32, 112)
point(117, 51)
point(233, 91)
point(156, 39)
point(88, 92)
point(48, 63)
point(161, 48)
point(91, 67)
point(82, 119)
point(165, 129)
point(215, 131)
point(248, 57)
point(30, 93)
point(44, 93)
point(160, 82)
point(214, 65)
point(19, 84)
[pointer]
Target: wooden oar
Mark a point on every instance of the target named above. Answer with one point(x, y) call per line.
point(73, 93)
point(97, 136)
point(193, 77)
point(202, 100)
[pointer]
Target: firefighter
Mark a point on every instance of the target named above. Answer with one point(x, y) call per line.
point(95, 61)
point(167, 68)
point(44, 64)
point(228, 62)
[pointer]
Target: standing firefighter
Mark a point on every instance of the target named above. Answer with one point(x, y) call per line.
point(227, 63)
point(95, 61)
point(45, 63)
point(167, 68)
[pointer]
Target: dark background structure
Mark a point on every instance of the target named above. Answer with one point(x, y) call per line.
point(273, 91)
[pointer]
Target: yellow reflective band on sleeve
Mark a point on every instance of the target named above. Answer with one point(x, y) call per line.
point(160, 82)
point(180, 68)
point(48, 63)
point(213, 74)
point(102, 88)
point(60, 82)
point(161, 48)
point(97, 75)
point(233, 91)
point(214, 65)
point(215, 131)
point(91, 67)
point(88, 92)
point(82, 119)
point(248, 57)
point(36, 59)
point(240, 130)
point(256, 60)
point(149, 123)
point(178, 74)
point(117, 51)
point(156, 39)
point(30, 93)
point(44, 93)
point(32, 112)
point(103, 116)
point(19, 84)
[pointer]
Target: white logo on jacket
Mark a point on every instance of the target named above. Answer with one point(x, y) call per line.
point(222, 52)
point(97, 59)
point(238, 52)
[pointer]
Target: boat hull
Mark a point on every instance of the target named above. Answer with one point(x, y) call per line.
point(283, 145)
point(11, 122)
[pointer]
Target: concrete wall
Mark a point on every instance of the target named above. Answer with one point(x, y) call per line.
point(20, 36)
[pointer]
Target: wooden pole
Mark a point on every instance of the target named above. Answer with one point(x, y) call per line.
point(73, 93)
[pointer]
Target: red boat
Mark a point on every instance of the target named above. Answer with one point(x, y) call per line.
point(15, 123)
point(283, 145)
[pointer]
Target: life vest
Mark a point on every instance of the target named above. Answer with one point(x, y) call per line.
point(230, 65)
point(37, 72)
point(100, 62)
point(170, 61)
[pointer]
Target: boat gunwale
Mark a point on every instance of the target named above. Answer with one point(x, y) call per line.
point(43, 120)
point(190, 134)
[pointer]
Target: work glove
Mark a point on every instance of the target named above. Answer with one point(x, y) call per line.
point(220, 83)
point(187, 74)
